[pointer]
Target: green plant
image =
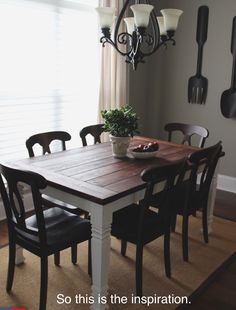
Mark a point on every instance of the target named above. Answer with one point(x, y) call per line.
point(121, 122)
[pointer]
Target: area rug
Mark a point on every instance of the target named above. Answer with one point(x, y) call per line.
point(69, 280)
point(218, 288)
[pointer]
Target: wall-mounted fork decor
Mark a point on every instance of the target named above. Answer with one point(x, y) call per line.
point(198, 84)
point(228, 98)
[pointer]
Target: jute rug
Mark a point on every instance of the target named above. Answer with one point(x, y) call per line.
point(218, 290)
point(70, 280)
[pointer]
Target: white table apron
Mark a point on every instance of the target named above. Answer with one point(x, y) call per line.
point(101, 219)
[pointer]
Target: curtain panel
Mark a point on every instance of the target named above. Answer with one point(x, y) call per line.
point(113, 83)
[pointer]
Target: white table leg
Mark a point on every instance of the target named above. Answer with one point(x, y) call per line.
point(212, 198)
point(101, 242)
point(19, 255)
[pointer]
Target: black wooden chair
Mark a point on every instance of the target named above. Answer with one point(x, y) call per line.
point(43, 234)
point(190, 196)
point(44, 140)
point(188, 131)
point(93, 130)
point(140, 225)
point(204, 162)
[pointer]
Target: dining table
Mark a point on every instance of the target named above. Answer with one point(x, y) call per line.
point(91, 179)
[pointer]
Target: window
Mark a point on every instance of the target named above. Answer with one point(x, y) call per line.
point(49, 70)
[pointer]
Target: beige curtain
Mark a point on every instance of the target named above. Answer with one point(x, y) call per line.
point(113, 84)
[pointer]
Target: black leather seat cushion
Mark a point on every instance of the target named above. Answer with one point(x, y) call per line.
point(62, 228)
point(126, 221)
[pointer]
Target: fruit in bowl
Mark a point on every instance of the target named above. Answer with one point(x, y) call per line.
point(139, 148)
point(145, 150)
point(150, 147)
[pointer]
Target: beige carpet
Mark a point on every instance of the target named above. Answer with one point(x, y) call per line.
point(71, 280)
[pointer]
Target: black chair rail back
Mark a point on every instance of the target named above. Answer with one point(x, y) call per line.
point(171, 174)
point(14, 205)
point(206, 161)
point(94, 130)
point(44, 139)
point(188, 131)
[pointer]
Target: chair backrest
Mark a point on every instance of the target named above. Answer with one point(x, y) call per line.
point(94, 130)
point(14, 204)
point(204, 161)
point(44, 139)
point(171, 174)
point(188, 131)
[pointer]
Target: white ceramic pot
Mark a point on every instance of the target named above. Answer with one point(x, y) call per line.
point(119, 146)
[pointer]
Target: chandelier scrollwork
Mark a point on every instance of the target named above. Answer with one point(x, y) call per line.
point(146, 32)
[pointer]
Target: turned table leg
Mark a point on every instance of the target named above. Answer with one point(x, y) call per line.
point(101, 243)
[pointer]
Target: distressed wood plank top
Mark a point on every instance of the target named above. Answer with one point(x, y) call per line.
point(93, 173)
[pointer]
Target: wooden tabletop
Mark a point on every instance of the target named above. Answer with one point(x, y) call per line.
point(93, 173)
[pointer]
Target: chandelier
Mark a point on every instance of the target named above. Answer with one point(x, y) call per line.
point(145, 32)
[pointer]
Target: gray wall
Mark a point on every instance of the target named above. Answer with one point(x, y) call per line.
point(159, 91)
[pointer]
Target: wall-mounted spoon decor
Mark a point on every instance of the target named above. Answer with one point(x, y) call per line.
point(198, 84)
point(228, 98)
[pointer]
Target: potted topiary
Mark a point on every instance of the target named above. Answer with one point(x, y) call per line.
point(122, 124)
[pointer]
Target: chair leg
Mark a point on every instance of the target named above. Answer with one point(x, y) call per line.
point(89, 258)
point(205, 224)
point(173, 222)
point(185, 237)
point(139, 270)
point(74, 254)
point(57, 258)
point(167, 254)
point(87, 216)
point(123, 247)
point(44, 283)
point(11, 265)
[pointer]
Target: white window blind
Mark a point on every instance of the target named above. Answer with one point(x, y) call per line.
point(49, 70)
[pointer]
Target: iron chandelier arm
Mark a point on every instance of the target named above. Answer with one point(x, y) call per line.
point(162, 43)
point(119, 20)
point(120, 40)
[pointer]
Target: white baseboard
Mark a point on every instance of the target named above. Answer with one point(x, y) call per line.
point(226, 183)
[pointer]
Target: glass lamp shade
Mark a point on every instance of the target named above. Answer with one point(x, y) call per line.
point(171, 18)
point(160, 20)
point(130, 24)
point(106, 16)
point(142, 14)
